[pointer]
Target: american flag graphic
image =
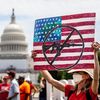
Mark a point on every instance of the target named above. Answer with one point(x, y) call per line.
point(84, 23)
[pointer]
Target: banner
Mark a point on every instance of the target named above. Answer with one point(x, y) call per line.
point(64, 42)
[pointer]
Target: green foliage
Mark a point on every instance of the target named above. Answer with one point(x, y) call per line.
point(60, 75)
point(39, 77)
point(0, 81)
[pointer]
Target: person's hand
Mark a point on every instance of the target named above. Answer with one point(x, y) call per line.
point(96, 46)
point(34, 54)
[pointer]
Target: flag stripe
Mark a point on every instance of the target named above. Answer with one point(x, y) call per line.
point(88, 31)
point(65, 54)
point(64, 62)
point(43, 67)
point(67, 50)
point(89, 57)
point(78, 16)
point(87, 44)
point(80, 23)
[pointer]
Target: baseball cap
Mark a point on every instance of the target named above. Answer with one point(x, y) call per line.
point(27, 79)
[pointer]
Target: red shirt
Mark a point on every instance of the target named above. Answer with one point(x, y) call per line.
point(80, 96)
point(4, 95)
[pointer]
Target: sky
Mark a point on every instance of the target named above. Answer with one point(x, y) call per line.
point(27, 11)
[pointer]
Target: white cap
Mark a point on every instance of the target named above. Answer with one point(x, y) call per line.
point(27, 78)
point(88, 71)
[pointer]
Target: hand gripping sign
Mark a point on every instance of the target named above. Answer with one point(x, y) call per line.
point(60, 46)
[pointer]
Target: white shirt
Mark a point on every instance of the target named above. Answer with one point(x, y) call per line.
point(14, 88)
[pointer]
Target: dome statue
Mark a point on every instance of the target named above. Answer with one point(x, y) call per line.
point(13, 44)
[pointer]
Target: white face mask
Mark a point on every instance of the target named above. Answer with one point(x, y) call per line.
point(77, 78)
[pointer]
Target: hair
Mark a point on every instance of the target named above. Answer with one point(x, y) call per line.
point(86, 86)
point(21, 79)
point(11, 73)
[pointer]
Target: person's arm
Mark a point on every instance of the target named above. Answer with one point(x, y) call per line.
point(42, 85)
point(95, 82)
point(34, 89)
point(52, 81)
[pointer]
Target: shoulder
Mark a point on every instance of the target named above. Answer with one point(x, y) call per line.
point(68, 88)
point(14, 82)
point(25, 84)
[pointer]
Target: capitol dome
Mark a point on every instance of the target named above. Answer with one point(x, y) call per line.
point(13, 44)
point(12, 27)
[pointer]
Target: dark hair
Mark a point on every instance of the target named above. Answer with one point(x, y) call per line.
point(12, 73)
point(21, 80)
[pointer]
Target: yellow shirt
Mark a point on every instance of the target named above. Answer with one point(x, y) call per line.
point(24, 89)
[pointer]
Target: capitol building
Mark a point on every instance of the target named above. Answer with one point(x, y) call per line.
point(14, 51)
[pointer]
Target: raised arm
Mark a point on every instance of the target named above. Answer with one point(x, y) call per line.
point(95, 82)
point(49, 78)
point(52, 81)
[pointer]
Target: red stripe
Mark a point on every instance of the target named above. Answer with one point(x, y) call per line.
point(76, 16)
point(89, 57)
point(91, 31)
point(49, 67)
point(75, 41)
point(66, 50)
point(80, 23)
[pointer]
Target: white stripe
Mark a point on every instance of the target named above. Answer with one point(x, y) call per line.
point(87, 44)
point(64, 62)
point(85, 27)
point(78, 30)
point(78, 37)
point(65, 54)
point(78, 20)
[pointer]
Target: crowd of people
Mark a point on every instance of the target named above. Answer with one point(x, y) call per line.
point(16, 89)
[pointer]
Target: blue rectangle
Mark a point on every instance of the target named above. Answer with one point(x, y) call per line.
point(43, 26)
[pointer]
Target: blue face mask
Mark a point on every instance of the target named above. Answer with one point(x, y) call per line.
point(77, 78)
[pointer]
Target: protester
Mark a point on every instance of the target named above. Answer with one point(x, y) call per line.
point(84, 83)
point(33, 90)
point(25, 90)
point(42, 95)
point(4, 88)
point(14, 93)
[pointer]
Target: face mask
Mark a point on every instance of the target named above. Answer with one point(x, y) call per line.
point(77, 78)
